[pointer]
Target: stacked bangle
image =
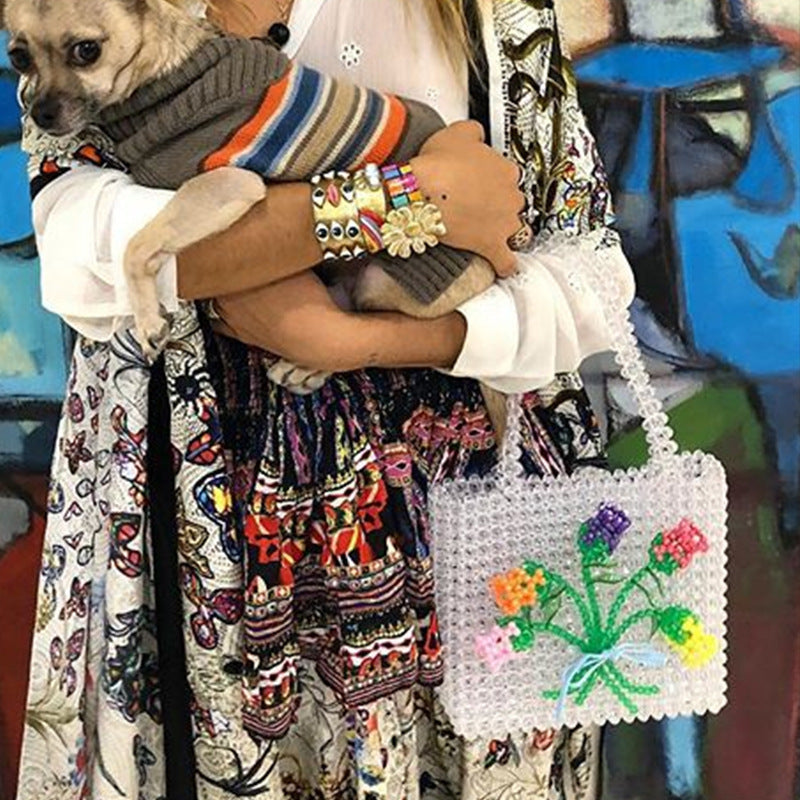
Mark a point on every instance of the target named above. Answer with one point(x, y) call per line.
point(336, 224)
point(372, 206)
point(372, 210)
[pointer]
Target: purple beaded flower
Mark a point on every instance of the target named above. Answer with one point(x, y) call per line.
point(600, 535)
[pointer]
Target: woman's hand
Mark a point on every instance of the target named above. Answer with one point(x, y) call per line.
point(477, 191)
point(297, 320)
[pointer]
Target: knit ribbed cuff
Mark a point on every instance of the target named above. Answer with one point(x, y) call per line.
point(425, 277)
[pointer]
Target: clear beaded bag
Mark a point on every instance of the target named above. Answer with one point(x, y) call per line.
point(592, 598)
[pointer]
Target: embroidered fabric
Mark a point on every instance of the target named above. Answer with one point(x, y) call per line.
point(585, 639)
point(93, 721)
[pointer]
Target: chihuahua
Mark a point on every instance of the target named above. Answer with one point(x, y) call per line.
point(86, 59)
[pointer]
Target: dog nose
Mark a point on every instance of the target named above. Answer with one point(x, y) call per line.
point(45, 112)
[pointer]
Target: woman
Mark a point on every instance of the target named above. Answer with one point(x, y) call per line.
point(310, 650)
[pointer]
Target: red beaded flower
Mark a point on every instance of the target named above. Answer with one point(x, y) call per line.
point(676, 548)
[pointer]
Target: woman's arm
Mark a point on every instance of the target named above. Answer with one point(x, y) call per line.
point(296, 319)
point(85, 218)
point(274, 240)
point(461, 174)
point(516, 336)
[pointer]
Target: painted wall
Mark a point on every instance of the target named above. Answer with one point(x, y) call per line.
point(703, 154)
point(696, 107)
point(33, 361)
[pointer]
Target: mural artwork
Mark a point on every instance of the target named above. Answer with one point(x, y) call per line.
point(695, 105)
point(696, 108)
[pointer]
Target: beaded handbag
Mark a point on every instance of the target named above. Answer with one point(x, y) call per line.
point(592, 598)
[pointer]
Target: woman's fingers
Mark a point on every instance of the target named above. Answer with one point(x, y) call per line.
point(504, 260)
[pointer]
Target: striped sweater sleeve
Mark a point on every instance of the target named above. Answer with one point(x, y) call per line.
point(242, 103)
point(307, 123)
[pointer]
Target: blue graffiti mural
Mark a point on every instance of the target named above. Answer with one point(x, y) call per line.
point(713, 229)
point(700, 137)
point(32, 342)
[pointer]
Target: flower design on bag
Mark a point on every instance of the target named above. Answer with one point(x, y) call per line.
point(600, 536)
point(532, 598)
point(517, 589)
point(675, 549)
point(685, 635)
point(495, 647)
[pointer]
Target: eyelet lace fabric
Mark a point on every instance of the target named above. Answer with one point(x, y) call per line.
point(619, 633)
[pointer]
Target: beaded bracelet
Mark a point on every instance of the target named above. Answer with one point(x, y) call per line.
point(336, 217)
point(371, 210)
point(401, 185)
point(372, 206)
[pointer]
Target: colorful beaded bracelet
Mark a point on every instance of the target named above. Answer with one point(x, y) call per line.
point(401, 185)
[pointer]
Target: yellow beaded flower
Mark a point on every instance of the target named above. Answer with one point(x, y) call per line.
point(413, 228)
point(686, 636)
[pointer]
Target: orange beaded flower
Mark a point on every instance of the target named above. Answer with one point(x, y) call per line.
point(516, 589)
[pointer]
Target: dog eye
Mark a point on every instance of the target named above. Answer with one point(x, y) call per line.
point(83, 54)
point(20, 59)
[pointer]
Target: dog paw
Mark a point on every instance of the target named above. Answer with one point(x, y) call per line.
point(294, 379)
point(153, 333)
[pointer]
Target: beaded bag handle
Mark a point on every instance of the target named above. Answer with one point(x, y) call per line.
point(658, 433)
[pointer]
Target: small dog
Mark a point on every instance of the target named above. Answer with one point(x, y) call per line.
point(87, 59)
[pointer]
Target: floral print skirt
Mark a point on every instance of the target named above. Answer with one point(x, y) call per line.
point(304, 601)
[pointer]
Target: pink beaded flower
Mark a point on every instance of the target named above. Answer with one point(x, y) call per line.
point(495, 647)
point(676, 548)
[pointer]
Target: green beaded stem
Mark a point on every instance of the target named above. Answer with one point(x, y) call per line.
point(630, 686)
point(632, 621)
point(574, 595)
point(594, 606)
point(610, 681)
point(627, 590)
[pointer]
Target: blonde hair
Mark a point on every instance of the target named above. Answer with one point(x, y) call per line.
point(448, 18)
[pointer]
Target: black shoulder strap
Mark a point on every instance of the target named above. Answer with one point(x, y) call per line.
point(478, 70)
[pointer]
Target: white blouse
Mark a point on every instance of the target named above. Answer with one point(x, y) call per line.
point(520, 333)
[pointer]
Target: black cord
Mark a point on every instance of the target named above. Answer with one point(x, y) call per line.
point(173, 682)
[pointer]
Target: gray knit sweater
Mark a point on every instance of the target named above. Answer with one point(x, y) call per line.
point(241, 102)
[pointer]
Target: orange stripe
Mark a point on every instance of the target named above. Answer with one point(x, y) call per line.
point(249, 132)
point(391, 134)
